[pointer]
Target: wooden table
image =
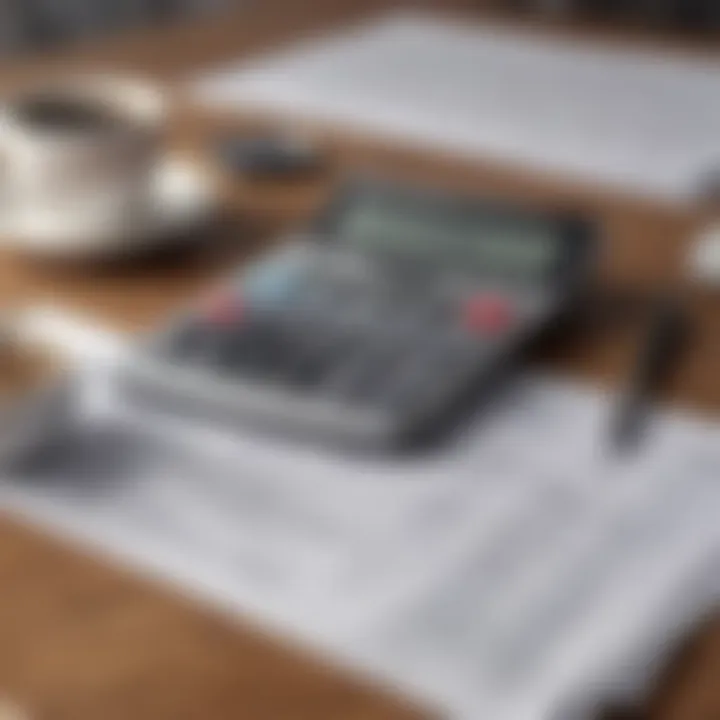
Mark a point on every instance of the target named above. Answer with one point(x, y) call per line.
point(83, 641)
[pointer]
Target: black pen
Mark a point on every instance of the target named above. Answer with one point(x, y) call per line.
point(659, 352)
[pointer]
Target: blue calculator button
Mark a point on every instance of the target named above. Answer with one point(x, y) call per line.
point(273, 284)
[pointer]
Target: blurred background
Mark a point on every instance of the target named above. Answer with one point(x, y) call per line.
point(34, 25)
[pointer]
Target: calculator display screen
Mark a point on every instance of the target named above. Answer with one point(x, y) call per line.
point(486, 241)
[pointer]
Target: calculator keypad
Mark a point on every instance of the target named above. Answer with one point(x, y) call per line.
point(331, 326)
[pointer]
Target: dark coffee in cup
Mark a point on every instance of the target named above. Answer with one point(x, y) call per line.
point(65, 114)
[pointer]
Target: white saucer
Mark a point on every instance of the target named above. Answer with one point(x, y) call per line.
point(704, 260)
point(183, 196)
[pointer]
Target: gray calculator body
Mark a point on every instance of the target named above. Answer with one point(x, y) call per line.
point(374, 329)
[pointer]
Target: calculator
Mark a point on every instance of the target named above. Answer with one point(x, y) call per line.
point(391, 313)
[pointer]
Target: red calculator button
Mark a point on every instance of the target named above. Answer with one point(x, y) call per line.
point(225, 308)
point(488, 313)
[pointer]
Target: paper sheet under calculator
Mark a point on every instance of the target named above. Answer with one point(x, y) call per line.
point(360, 557)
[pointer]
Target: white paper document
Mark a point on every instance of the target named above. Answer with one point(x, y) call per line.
point(635, 120)
point(418, 571)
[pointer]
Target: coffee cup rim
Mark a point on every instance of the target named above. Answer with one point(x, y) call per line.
point(141, 103)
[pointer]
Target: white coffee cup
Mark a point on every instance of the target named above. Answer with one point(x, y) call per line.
point(77, 156)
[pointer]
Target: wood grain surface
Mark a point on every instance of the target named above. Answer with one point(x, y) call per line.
point(81, 640)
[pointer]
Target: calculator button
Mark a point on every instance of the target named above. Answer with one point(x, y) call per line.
point(305, 359)
point(314, 300)
point(312, 363)
point(433, 371)
point(376, 366)
point(349, 364)
point(488, 313)
point(185, 343)
point(240, 355)
point(274, 284)
point(224, 309)
point(307, 373)
point(243, 350)
point(199, 344)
